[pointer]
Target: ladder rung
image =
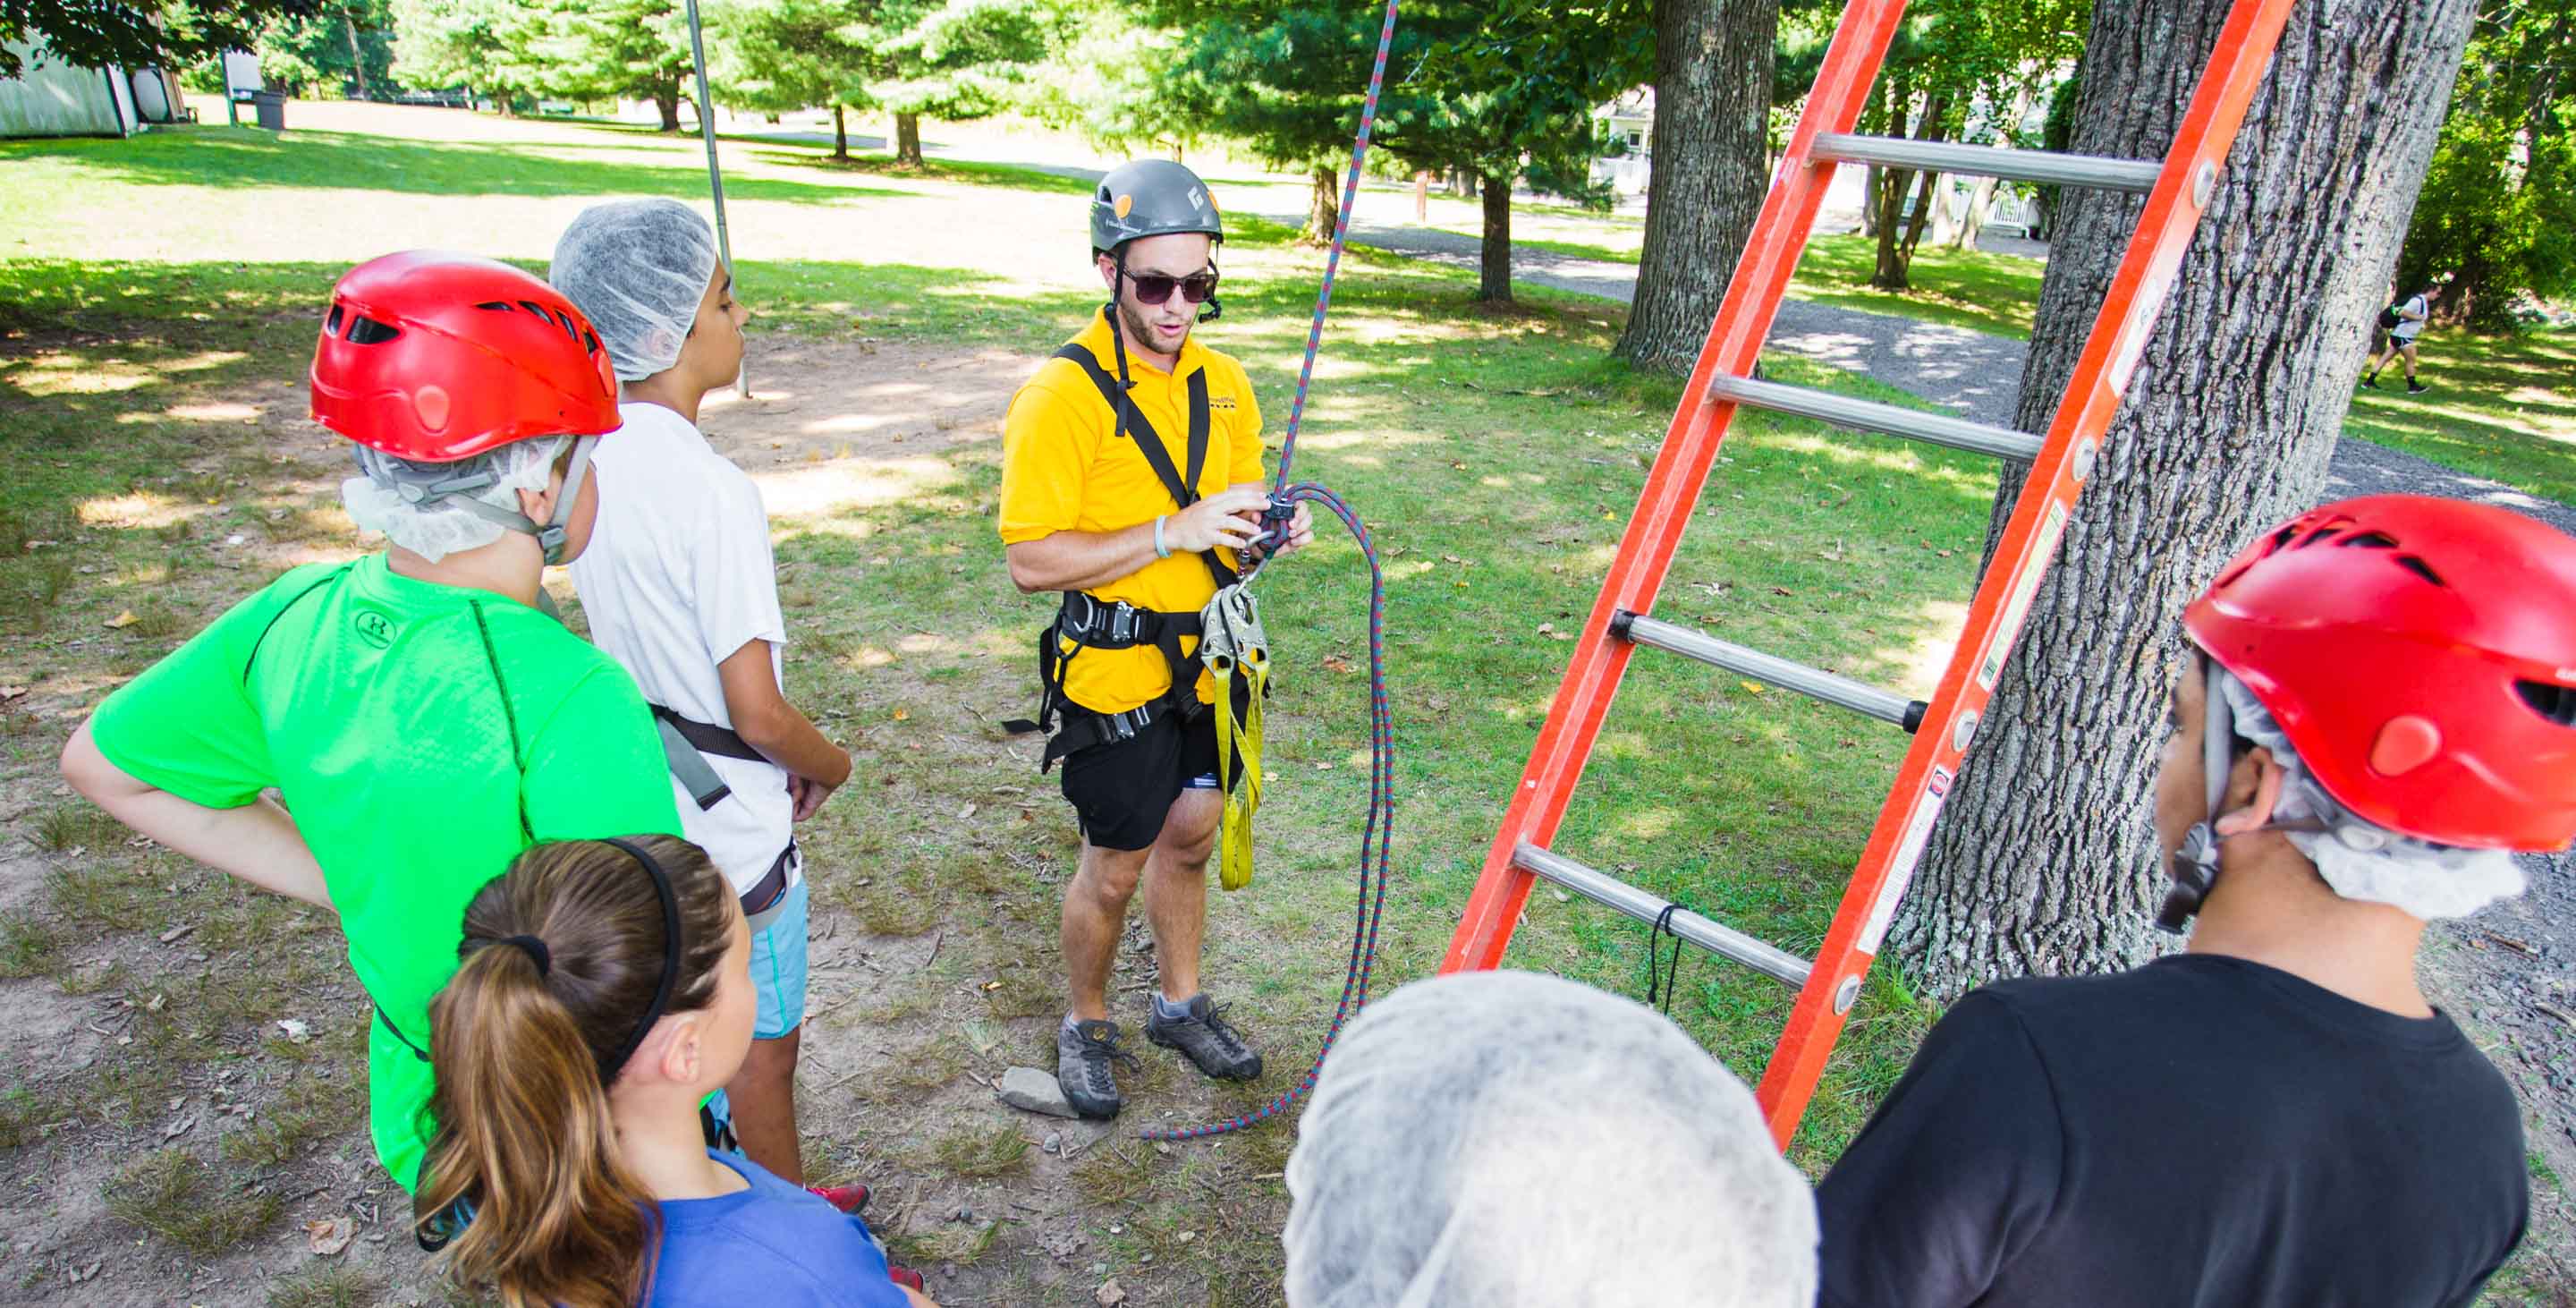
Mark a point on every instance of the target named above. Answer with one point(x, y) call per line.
point(1728, 942)
point(1869, 415)
point(1859, 697)
point(2089, 170)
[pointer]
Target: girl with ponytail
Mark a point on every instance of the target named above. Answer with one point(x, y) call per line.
point(604, 992)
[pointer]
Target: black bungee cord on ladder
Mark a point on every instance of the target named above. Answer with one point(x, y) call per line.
point(1376, 834)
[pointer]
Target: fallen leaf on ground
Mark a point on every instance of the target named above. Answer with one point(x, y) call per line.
point(297, 1029)
point(966, 812)
point(330, 1236)
point(1109, 1295)
point(178, 1128)
point(903, 715)
point(123, 620)
point(177, 931)
point(8, 693)
point(1754, 686)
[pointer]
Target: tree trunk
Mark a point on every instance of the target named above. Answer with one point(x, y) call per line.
point(841, 133)
point(666, 99)
point(1422, 197)
point(1712, 112)
point(1323, 209)
point(2043, 861)
point(907, 139)
point(1897, 234)
point(1972, 220)
point(1495, 284)
point(357, 57)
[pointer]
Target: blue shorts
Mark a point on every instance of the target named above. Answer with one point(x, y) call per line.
point(778, 968)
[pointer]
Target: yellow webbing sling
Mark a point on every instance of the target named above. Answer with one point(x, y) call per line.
point(1236, 650)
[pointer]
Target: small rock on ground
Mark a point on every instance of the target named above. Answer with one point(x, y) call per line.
point(1035, 1091)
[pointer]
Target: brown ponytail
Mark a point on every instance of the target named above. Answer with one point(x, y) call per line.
point(517, 1040)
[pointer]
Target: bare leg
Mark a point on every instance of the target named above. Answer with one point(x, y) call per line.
point(2408, 351)
point(763, 1097)
point(1095, 908)
point(1176, 889)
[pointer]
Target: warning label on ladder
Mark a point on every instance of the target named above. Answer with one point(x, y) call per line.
point(2025, 589)
point(1918, 833)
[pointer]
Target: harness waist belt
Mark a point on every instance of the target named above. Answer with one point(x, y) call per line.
point(685, 742)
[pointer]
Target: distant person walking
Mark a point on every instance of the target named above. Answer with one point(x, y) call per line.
point(2401, 323)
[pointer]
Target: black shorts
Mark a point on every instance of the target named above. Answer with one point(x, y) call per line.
point(1122, 791)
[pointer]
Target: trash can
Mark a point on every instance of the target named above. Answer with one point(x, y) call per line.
point(272, 109)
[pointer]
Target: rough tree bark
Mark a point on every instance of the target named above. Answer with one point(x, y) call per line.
point(1494, 283)
point(840, 133)
point(1713, 66)
point(1323, 208)
point(2043, 860)
point(907, 139)
point(666, 100)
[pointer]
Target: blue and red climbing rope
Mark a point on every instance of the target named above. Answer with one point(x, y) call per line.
point(1377, 832)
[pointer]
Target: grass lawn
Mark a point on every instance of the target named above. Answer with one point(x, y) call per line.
point(158, 470)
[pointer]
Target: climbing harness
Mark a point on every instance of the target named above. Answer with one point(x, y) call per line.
point(1237, 654)
point(1376, 832)
point(1085, 621)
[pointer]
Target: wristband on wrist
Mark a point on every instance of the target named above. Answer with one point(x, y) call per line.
point(1161, 551)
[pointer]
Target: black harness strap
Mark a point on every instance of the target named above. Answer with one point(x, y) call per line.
point(1149, 442)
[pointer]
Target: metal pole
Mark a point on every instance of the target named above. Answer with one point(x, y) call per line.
point(715, 173)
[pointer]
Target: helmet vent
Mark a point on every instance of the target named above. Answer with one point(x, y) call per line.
point(2554, 702)
point(2421, 569)
point(331, 325)
point(496, 306)
point(2371, 540)
point(539, 310)
point(367, 331)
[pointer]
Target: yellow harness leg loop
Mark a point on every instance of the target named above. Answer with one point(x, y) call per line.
point(1237, 654)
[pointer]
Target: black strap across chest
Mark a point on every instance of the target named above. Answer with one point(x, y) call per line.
point(1132, 422)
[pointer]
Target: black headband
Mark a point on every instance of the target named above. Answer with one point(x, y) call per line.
point(535, 949)
point(611, 1065)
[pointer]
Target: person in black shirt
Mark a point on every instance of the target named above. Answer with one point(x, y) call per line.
point(2383, 703)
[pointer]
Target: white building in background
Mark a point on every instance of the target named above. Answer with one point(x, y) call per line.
point(54, 97)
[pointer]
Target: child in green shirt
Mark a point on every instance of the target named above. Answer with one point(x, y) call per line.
point(415, 711)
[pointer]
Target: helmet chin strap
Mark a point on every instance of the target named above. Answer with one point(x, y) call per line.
point(2194, 867)
point(553, 535)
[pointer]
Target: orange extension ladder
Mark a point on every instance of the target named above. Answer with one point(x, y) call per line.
point(2177, 191)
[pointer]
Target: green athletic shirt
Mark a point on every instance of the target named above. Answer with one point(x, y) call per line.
point(422, 735)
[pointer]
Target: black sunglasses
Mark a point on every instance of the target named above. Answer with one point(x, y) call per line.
point(1154, 288)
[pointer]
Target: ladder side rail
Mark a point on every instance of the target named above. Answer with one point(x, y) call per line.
point(2164, 233)
point(1664, 505)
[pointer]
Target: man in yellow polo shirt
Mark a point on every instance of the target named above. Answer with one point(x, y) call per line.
point(1131, 478)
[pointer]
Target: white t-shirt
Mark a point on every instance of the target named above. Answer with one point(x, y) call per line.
point(676, 578)
point(2407, 327)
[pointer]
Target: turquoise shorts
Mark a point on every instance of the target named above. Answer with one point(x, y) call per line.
point(778, 968)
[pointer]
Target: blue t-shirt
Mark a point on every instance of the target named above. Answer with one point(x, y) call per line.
point(774, 1242)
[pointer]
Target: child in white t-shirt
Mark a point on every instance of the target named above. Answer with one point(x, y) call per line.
point(681, 590)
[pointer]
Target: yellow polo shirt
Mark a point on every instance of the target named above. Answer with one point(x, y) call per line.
point(1063, 469)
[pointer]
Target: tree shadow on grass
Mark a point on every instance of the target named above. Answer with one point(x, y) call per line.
point(242, 160)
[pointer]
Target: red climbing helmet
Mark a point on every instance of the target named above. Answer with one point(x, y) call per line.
point(436, 357)
point(2420, 654)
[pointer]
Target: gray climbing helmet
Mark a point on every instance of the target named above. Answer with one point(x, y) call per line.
point(1150, 197)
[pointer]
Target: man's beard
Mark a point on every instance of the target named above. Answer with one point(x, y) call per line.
point(1140, 332)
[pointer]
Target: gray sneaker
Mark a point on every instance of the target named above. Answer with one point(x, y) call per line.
point(1083, 1053)
point(1203, 1035)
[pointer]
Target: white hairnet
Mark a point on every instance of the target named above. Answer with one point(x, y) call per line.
point(438, 528)
point(2359, 859)
point(1507, 1138)
point(637, 269)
